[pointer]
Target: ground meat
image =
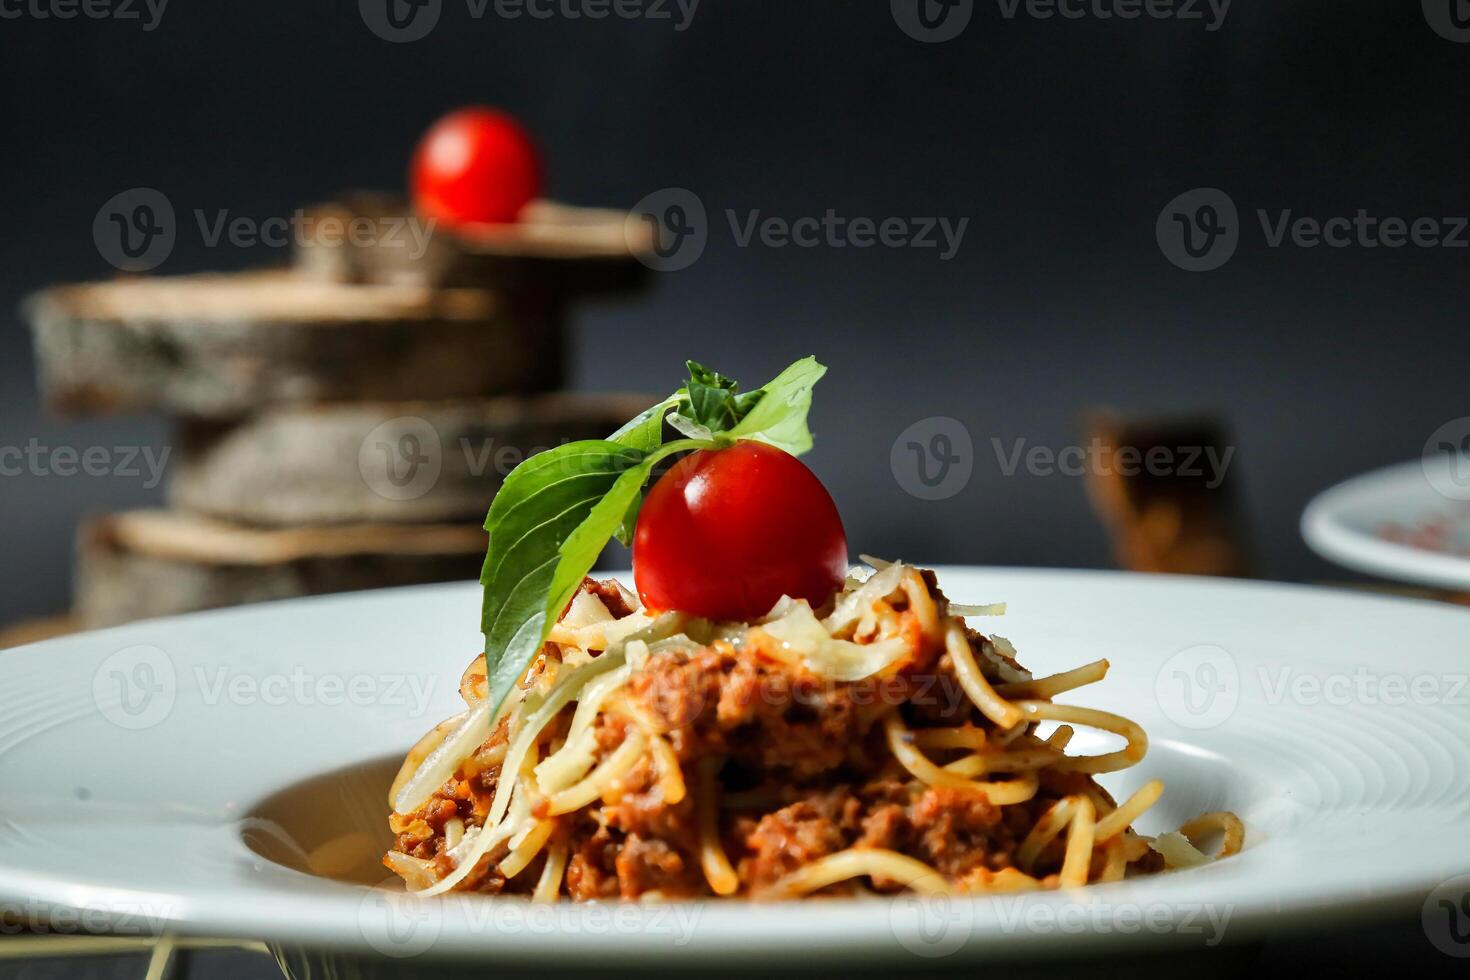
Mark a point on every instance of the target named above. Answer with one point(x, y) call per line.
point(592, 870)
point(765, 714)
point(794, 836)
point(955, 830)
point(950, 829)
point(440, 811)
point(640, 808)
point(808, 758)
point(653, 865)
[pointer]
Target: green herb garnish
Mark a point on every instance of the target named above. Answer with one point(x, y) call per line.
point(557, 510)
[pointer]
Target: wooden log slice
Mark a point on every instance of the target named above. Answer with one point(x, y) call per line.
point(555, 249)
point(396, 462)
point(36, 630)
point(137, 564)
point(224, 345)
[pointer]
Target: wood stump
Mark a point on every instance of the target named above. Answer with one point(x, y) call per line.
point(138, 564)
point(222, 346)
point(391, 462)
point(554, 249)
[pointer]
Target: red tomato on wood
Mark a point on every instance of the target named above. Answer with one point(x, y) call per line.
point(475, 165)
point(725, 533)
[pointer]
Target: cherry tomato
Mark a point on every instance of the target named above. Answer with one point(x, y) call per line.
point(725, 533)
point(475, 165)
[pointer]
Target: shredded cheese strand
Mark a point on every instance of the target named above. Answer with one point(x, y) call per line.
point(1228, 824)
point(1177, 851)
point(600, 780)
point(572, 761)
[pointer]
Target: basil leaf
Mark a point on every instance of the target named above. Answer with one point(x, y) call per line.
point(715, 401)
point(537, 510)
point(629, 523)
point(779, 418)
point(557, 510)
point(704, 377)
point(581, 549)
point(689, 428)
point(646, 430)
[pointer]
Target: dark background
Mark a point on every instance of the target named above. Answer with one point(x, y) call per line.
point(1059, 140)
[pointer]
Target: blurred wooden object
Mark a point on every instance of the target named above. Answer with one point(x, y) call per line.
point(343, 424)
point(368, 237)
point(1403, 591)
point(1162, 489)
point(36, 630)
point(224, 345)
point(144, 563)
point(377, 461)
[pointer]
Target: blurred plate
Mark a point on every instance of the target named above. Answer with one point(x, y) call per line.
point(225, 774)
point(1408, 523)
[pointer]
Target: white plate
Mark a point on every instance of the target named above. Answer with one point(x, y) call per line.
point(1409, 523)
point(134, 763)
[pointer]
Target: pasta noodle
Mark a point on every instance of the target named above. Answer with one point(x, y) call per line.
point(637, 749)
point(900, 742)
point(858, 863)
point(670, 777)
point(601, 779)
point(548, 886)
point(717, 870)
point(523, 853)
point(1080, 840)
point(1129, 811)
point(1130, 754)
point(1050, 687)
point(991, 704)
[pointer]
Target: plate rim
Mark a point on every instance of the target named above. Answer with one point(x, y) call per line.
point(1298, 916)
point(1327, 534)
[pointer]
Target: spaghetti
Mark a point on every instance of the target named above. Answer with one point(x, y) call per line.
point(876, 743)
